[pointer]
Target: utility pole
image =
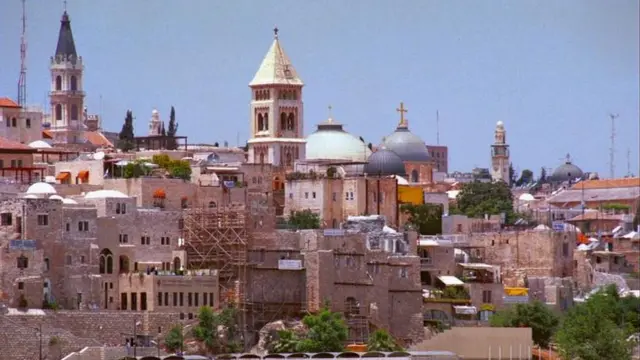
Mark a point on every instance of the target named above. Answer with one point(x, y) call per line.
point(612, 165)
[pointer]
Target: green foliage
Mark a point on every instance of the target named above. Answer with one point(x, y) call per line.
point(381, 340)
point(427, 218)
point(207, 330)
point(331, 172)
point(525, 178)
point(543, 176)
point(616, 207)
point(125, 138)
point(479, 198)
point(542, 321)
point(171, 132)
point(598, 328)
point(180, 169)
point(305, 219)
point(327, 332)
point(133, 170)
point(513, 177)
point(174, 340)
point(455, 292)
point(287, 342)
point(163, 132)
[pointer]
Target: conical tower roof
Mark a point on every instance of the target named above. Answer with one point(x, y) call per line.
point(276, 68)
point(66, 46)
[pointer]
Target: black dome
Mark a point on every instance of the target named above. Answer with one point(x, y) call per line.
point(566, 172)
point(384, 162)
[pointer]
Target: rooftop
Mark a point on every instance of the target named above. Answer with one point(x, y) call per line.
point(6, 144)
point(607, 183)
point(5, 102)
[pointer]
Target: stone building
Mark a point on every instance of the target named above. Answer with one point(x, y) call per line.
point(500, 155)
point(440, 156)
point(19, 124)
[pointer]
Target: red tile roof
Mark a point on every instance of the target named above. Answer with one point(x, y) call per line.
point(6, 144)
point(5, 102)
point(46, 134)
point(97, 138)
point(608, 183)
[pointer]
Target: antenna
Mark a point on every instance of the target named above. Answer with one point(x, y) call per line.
point(22, 80)
point(437, 127)
point(629, 174)
point(612, 150)
point(100, 114)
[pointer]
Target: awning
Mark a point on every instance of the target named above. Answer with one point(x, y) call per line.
point(465, 310)
point(450, 280)
point(516, 291)
point(83, 175)
point(63, 175)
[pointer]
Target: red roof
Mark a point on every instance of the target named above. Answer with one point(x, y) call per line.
point(5, 102)
point(6, 144)
point(98, 139)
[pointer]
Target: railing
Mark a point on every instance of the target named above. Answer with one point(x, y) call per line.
point(426, 263)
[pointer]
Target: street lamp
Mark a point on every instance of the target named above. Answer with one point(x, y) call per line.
point(136, 323)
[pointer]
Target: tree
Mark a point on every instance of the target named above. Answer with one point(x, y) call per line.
point(597, 329)
point(180, 169)
point(163, 132)
point(427, 218)
point(479, 198)
point(126, 136)
point(171, 132)
point(174, 340)
point(305, 219)
point(370, 146)
point(542, 321)
point(287, 342)
point(381, 340)
point(543, 176)
point(327, 332)
point(512, 175)
point(526, 177)
point(208, 330)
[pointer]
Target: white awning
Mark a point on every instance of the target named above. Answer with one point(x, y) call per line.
point(450, 280)
point(465, 310)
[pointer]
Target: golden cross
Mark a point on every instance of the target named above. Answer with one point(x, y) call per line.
point(402, 110)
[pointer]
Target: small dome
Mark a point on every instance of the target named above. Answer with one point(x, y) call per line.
point(55, 197)
point(500, 124)
point(331, 142)
point(384, 162)
point(41, 188)
point(407, 145)
point(566, 172)
point(69, 201)
point(39, 144)
point(154, 112)
point(103, 194)
point(526, 197)
point(30, 196)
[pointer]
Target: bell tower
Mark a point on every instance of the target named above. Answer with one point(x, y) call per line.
point(500, 155)
point(276, 120)
point(66, 95)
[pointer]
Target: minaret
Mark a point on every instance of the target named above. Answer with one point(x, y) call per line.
point(276, 118)
point(66, 96)
point(500, 155)
point(155, 124)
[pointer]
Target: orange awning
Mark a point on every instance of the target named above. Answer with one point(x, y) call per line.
point(83, 175)
point(64, 175)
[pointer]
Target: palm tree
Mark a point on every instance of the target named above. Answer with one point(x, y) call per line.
point(381, 340)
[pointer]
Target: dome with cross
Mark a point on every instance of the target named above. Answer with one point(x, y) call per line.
point(332, 142)
point(566, 172)
point(406, 144)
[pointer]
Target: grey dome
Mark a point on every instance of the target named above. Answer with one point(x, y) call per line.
point(384, 162)
point(408, 146)
point(566, 172)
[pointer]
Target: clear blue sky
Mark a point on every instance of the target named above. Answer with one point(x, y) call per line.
point(551, 70)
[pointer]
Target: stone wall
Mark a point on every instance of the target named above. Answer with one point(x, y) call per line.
point(20, 336)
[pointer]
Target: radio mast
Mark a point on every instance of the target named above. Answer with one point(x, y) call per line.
point(612, 150)
point(22, 81)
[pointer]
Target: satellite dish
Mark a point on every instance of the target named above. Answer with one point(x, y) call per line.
point(99, 155)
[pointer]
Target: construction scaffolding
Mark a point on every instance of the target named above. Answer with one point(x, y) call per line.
point(217, 238)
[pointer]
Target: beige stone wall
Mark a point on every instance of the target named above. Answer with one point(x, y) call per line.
point(530, 253)
point(95, 168)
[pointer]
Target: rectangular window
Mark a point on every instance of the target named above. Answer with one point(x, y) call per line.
point(43, 220)
point(159, 299)
point(211, 299)
point(166, 299)
point(486, 296)
point(123, 301)
point(143, 301)
point(134, 301)
point(117, 208)
point(351, 195)
point(335, 196)
point(28, 123)
point(124, 239)
point(124, 208)
point(313, 194)
point(196, 298)
point(189, 299)
point(83, 226)
point(68, 227)
point(6, 219)
point(175, 299)
point(21, 285)
point(181, 299)
point(306, 195)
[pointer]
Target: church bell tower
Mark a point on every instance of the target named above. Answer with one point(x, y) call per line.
point(500, 155)
point(67, 95)
point(276, 111)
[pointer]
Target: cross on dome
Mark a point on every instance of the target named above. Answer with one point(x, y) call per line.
point(402, 111)
point(330, 119)
point(275, 32)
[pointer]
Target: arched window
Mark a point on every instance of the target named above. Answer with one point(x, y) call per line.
point(109, 264)
point(74, 83)
point(289, 159)
point(261, 158)
point(47, 264)
point(291, 121)
point(260, 122)
point(103, 264)
point(283, 121)
point(176, 263)
point(266, 121)
point(58, 112)
point(414, 176)
point(74, 112)
point(212, 204)
point(58, 82)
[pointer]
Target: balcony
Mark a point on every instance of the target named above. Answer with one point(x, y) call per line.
point(66, 92)
point(426, 263)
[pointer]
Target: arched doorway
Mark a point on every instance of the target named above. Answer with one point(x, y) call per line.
point(124, 264)
point(176, 264)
